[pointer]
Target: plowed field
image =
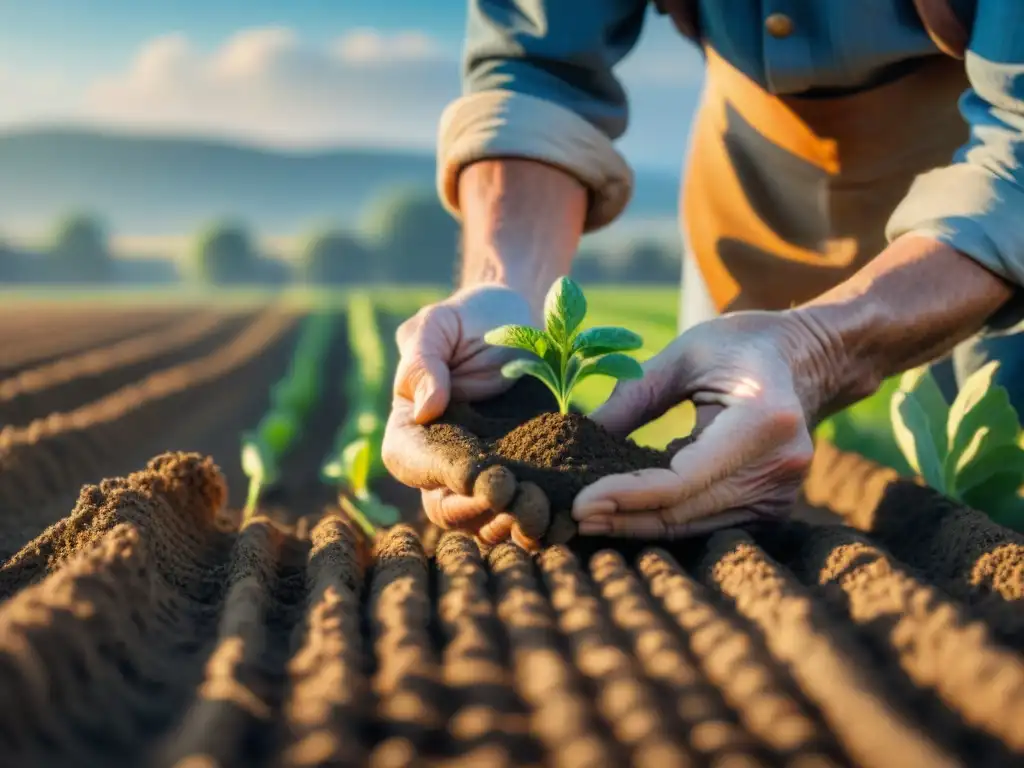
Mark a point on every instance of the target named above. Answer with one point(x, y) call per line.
point(141, 625)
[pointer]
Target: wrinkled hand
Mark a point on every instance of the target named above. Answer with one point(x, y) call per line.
point(443, 356)
point(754, 378)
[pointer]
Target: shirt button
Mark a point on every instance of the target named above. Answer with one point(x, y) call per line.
point(779, 25)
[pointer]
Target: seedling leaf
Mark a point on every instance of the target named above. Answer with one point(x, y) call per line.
point(564, 309)
point(515, 369)
point(981, 402)
point(616, 365)
point(1000, 498)
point(601, 340)
point(920, 383)
point(563, 356)
point(277, 430)
point(518, 337)
point(989, 423)
point(1004, 459)
point(355, 458)
point(913, 435)
point(379, 512)
point(258, 461)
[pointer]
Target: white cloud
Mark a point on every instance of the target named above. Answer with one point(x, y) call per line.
point(267, 85)
point(367, 46)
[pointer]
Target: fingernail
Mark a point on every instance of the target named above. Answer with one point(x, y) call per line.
point(600, 507)
point(594, 527)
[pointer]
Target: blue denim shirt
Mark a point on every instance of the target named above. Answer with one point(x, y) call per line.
point(539, 79)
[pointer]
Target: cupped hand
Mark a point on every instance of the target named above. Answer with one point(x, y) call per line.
point(442, 355)
point(757, 380)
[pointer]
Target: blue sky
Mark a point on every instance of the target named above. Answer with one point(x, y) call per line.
point(295, 73)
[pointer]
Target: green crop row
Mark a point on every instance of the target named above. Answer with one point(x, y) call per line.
point(355, 461)
point(293, 400)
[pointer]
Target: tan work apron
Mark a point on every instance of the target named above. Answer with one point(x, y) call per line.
point(785, 197)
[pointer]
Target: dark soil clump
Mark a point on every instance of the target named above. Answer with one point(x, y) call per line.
point(523, 430)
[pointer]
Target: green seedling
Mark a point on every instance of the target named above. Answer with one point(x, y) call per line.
point(259, 462)
point(561, 355)
point(970, 450)
point(293, 399)
point(352, 467)
point(278, 430)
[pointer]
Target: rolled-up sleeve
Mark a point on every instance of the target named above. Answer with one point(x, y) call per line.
point(538, 84)
point(976, 204)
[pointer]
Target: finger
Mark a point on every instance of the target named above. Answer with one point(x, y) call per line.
point(423, 374)
point(644, 489)
point(658, 525)
point(497, 529)
point(532, 510)
point(636, 402)
point(414, 461)
point(737, 436)
point(705, 414)
point(496, 486)
point(523, 541)
point(449, 510)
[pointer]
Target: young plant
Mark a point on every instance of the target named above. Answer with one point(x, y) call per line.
point(970, 450)
point(562, 355)
point(353, 467)
point(355, 459)
point(293, 398)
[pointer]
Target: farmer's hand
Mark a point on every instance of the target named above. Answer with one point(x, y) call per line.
point(443, 356)
point(757, 379)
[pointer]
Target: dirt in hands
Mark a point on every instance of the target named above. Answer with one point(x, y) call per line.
point(561, 454)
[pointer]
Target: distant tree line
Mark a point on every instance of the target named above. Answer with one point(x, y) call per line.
point(406, 237)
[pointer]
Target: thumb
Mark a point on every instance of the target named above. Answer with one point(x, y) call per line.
point(635, 402)
point(623, 411)
point(423, 373)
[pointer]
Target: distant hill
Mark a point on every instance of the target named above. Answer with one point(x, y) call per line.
point(169, 186)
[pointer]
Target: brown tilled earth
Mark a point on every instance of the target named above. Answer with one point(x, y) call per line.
point(145, 628)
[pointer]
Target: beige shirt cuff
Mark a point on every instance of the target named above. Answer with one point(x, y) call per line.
point(506, 124)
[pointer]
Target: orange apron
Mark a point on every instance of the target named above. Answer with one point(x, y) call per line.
point(785, 197)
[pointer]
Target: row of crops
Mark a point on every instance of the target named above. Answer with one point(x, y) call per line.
point(353, 463)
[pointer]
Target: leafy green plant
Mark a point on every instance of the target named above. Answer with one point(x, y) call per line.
point(562, 355)
point(354, 467)
point(970, 450)
point(355, 459)
point(293, 399)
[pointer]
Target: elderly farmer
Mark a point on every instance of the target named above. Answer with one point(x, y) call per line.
point(853, 206)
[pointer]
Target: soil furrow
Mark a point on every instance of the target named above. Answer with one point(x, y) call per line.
point(49, 456)
point(489, 723)
point(562, 718)
point(819, 656)
point(97, 647)
point(73, 333)
point(326, 711)
point(959, 549)
point(763, 697)
point(75, 380)
point(232, 713)
point(623, 698)
point(702, 717)
point(938, 649)
point(411, 697)
point(175, 500)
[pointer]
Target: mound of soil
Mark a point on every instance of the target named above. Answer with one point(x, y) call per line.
point(523, 430)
